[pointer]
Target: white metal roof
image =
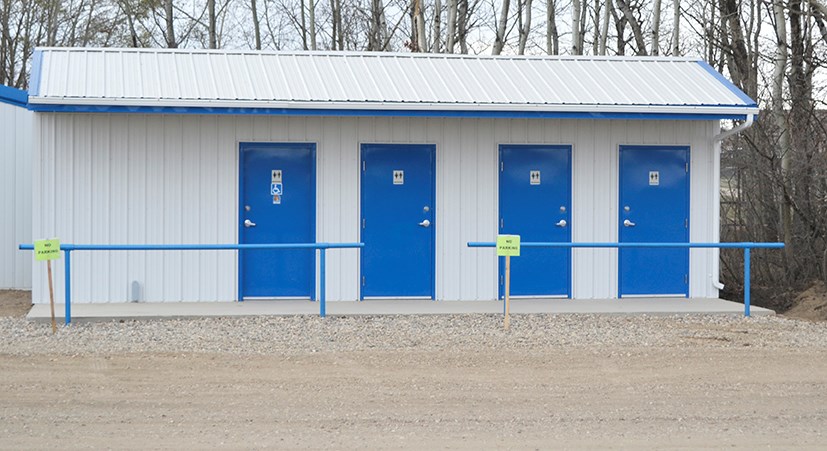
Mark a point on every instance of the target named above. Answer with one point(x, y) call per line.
point(380, 81)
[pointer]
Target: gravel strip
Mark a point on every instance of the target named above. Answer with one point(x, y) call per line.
point(308, 334)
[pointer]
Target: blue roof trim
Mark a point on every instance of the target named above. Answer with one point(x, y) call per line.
point(55, 108)
point(723, 80)
point(34, 80)
point(13, 96)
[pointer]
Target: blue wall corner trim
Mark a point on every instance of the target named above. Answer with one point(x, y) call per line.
point(34, 80)
point(13, 96)
point(723, 80)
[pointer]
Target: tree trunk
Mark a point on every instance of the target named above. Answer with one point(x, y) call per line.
point(303, 24)
point(636, 31)
point(620, 29)
point(778, 76)
point(499, 40)
point(169, 19)
point(676, 27)
point(525, 27)
point(211, 30)
point(462, 25)
point(575, 27)
point(452, 26)
point(311, 18)
point(552, 35)
point(419, 21)
point(737, 56)
point(604, 30)
point(437, 46)
point(334, 26)
point(656, 28)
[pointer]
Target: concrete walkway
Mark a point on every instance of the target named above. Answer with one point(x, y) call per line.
point(635, 306)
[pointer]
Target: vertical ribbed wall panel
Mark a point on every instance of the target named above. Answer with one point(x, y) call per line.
point(174, 179)
point(16, 149)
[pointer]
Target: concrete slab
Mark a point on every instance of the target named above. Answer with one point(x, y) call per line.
point(635, 306)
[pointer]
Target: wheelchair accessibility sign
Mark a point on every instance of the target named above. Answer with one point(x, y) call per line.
point(276, 191)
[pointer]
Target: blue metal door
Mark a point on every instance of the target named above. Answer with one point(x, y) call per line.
point(535, 203)
point(398, 220)
point(278, 205)
point(654, 207)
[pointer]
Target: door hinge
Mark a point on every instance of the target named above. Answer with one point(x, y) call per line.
point(501, 222)
point(686, 278)
point(686, 167)
point(363, 165)
point(363, 280)
point(501, 280)
point(685, 223)
point(363, 223)
point(502, 166)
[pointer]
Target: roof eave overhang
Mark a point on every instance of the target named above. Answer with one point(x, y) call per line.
point(333, 108)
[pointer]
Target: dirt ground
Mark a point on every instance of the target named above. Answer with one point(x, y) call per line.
point(15, 302)
point(810, 304)
point(696, 395)
point(610, 398)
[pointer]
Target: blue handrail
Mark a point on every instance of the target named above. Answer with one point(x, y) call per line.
point(746, 246)
point(69, 248)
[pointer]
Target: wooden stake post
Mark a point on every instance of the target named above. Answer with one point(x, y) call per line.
point(508, 246)
point(48, 250)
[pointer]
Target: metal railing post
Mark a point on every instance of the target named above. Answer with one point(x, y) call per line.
point(67, 282)
point(322, 282)
point(746, 281)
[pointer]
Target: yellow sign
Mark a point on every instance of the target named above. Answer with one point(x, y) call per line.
point(508, 245)
point(47, 249)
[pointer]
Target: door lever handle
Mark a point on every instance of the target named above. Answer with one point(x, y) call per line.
point(628, 223)
point(561, 223)
point(425, 223)
point(248, 223)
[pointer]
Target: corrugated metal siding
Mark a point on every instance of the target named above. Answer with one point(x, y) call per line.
point(173, 179)
point(15, 196)
point(156, 77)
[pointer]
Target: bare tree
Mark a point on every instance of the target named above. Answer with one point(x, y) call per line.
point(604, 30)
point(256, 24)
point(552, 35)
point(576, 6)
point(311, 18)
point(169, 20)
point(419, 24)
point(452, 26)
point(634, 25)
point(656, 27)
point(676, 27)
point(523, 24)
point(437, 31)
point(499, 39)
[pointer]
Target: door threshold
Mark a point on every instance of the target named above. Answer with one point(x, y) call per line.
point(632, 296)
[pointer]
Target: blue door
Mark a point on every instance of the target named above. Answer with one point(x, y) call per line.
point(398, 220)
point(278, 205)
point(535, 203)
point(654, 207)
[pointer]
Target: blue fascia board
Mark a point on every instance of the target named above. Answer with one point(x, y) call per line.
point(60, 108)
point(728, 84)
point(12, 96)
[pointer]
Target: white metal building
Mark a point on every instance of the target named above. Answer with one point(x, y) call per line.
point(415, 155)
point(15, 189)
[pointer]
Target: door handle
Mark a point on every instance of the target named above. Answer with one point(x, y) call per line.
point(248, 223)
point(628, 223)
point(561, 223)
point(425, 223)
